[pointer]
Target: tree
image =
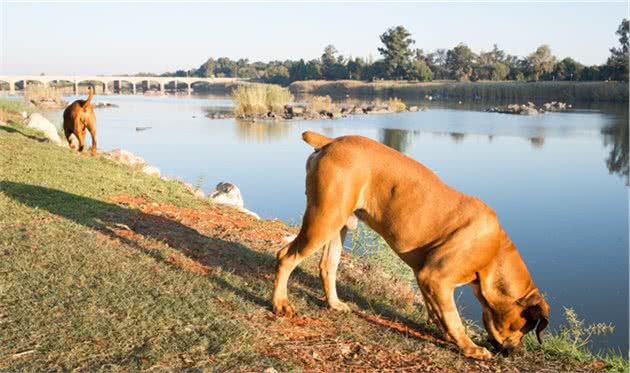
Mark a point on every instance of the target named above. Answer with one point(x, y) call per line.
point(328, 58)
point(618, 61)
point(297, 71)
point(313, 70)
point(591, 73)
point(499, 71)
point(421, 71)
point(225, 67)
point(354, 68)
point(277, 74)
point(540, 62)
point(207, 68)
point(568, 69)
point(396, 52)
point(460, 62)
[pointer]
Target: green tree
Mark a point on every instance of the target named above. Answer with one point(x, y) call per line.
point(421, 71)
point(499, 71)
point(618, 61)
point(297, 71)
point(540, 62)
point(460, 62)
point(247, 72)
point(355, 66)
point(591, 73)
point(277, 74)
point(313, 70)
point(568, 69)
point(207, 68)
point(397, 52)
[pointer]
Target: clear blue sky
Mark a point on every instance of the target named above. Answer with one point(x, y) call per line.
point(110, 38)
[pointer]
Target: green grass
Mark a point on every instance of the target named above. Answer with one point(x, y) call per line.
point(260, 99)
point(90, 283)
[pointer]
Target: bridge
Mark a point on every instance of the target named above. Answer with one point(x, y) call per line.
point(115, 82)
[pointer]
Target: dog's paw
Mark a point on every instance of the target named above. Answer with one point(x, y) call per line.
point(478, 353)
point(339, 306)
point(283, 308)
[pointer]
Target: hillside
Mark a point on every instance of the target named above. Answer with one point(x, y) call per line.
point(104, 267)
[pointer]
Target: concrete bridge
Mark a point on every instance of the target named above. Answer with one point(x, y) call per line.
point(114, 82)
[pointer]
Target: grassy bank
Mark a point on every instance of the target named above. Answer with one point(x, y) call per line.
point(107, 268)
point(485, 91)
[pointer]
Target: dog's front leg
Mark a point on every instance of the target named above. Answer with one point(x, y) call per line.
point(328, 270)
point(440, 295)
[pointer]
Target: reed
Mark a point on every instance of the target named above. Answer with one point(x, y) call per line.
point(259, 99)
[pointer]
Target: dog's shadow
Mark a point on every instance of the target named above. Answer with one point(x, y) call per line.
point(232, 257)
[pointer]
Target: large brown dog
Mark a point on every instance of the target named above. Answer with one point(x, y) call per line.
point(78, 117)
point(448, 239)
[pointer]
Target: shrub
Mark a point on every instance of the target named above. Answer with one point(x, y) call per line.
point(317, 104)
point(260, 99)
point(396, 104)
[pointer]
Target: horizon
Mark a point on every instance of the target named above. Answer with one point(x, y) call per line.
point(125, 38)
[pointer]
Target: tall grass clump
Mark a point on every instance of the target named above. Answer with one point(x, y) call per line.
point(395, 104)
point(39, 92)
point(572, 342)
point(259, 99)
point(11, 111)
point(318, 104)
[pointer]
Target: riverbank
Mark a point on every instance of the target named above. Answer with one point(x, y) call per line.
point(127, 271)
point(479, 91)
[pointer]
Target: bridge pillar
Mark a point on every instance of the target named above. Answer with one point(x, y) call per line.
point(11, 87)
point(161, 88)
point(105, 91)
point(189, 88)
point(147, 86)
point(76, 88)
point(133, 87)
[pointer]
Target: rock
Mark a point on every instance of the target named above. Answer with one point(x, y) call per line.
point(40, 123)
point(24, 115)
point(413, 109)
point(428, 97)
point(126, 157)
point(295, 110)
point(227, 194)
point(143, 128)
point(102, 105)
point(528, 111)
point(530, 104)
point(151, 171)
point(73, 141)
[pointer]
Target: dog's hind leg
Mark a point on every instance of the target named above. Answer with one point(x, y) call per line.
point(328, 270)
point(319, 227)
point(92, 129)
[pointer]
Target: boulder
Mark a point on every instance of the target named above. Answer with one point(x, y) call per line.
point(151, 171)
point(40, 123)
point(73, 141)
point(126, 157)
point(528, 111)
point(413, 109)
point(227, 194)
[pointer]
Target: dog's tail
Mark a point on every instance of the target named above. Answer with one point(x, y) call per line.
point(316, 140)
point(89, 99)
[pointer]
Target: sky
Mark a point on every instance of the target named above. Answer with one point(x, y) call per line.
point(113, 38)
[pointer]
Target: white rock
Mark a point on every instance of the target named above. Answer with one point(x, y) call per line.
point(227, 194)
point(73, 141)
point(151, 171)
point(126, 157)
point(40, 123)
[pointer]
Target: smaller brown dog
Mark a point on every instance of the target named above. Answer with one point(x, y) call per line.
point(78, 117)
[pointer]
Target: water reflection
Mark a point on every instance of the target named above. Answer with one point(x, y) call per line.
point(261, 132)
point(616, 137)
point(537, 141)
point(396, 138)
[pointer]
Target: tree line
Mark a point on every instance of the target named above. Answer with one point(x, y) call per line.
point(401, 61)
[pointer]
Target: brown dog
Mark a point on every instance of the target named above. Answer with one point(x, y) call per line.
point(78, 117)
point(448, 238)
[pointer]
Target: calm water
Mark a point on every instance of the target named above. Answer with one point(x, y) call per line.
point(555, 180)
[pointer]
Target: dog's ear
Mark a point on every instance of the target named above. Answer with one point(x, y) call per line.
point(536, 311)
